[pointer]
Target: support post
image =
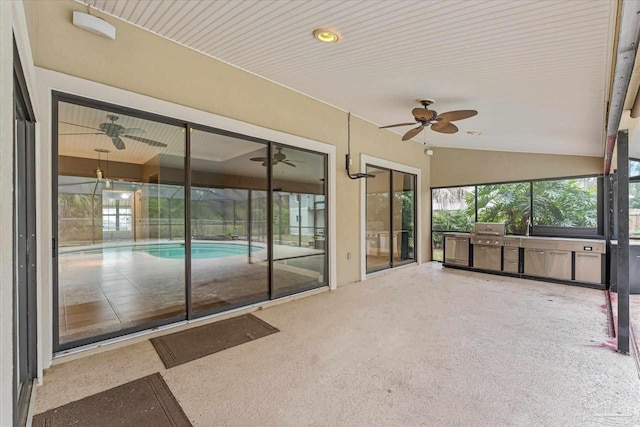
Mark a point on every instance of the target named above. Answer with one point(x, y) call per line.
point(623, 242)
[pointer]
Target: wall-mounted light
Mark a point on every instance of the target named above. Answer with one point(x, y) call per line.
point(326, 35)
point(94, 25)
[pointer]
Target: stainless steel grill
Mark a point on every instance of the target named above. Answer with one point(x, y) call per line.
point(489, 234)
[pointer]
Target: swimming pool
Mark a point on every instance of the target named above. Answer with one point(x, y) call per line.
point(198, 250)
point(177, 250)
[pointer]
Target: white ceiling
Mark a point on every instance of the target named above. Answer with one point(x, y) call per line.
point(537, 71)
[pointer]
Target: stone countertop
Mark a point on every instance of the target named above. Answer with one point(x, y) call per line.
point(632, 242)
point(572, 239)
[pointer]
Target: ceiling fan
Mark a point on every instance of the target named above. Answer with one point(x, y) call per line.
point(278, 157)
point(439, 122)
point(116, 133)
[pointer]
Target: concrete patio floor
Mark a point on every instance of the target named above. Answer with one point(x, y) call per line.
point(421, 345)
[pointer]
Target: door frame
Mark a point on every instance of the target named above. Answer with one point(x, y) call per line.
point(24, 161)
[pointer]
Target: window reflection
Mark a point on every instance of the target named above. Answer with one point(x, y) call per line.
point(299, 220)
point(120, 222)
point(229, 262)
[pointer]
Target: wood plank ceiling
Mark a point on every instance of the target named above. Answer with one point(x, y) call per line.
point(537, 71)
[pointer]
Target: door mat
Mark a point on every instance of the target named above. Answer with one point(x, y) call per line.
point(144, 402)
point(185, 346)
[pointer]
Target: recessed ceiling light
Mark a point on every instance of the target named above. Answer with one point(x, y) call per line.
point(326, 35)
point(474, 132)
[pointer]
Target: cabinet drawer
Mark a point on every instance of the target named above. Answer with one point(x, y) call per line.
point(510, 266)
point(511, 254)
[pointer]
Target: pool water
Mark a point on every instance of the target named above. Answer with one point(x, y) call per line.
point(177, 251)
point(198, 250)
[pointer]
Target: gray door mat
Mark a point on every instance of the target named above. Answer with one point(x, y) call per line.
point(191, 344)
point(144, 402)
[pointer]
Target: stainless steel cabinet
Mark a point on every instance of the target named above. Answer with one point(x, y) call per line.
point(511, 258)
point(535, 262)
point(559, 265)
point(487, 257)
point(588, 267)
point(456, 250)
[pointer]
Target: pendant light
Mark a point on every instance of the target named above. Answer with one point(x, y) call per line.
point(107, 181)
point(99, 174)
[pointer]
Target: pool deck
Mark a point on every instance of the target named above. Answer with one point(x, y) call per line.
point(107, 291)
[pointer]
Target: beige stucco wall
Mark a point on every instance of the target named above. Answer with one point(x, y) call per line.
point(144, 63)
point(451, 166)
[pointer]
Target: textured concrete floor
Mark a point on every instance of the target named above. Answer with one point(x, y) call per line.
point(418, 346)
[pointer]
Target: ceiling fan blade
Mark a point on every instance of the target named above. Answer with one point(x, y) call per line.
point(444, 127)
point(119, 143)
point(452, 116)
point(422, 114)
point(399, 124)
point(284, 162)
point(90, 133)
point(73, 124)
point(412, 133)
point(134, 131)
point(258, 159)
point(146, 141)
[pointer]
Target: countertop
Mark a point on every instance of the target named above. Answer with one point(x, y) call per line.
point(633, 242)
point(517, 236)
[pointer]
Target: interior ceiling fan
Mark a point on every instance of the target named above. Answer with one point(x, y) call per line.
point(278, 157)
point(439, 122)
point(116, 132)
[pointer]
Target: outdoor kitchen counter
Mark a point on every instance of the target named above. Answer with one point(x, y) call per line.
point(567, 260)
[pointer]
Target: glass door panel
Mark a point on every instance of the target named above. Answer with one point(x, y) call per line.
point(229, 262)
point(403, 217)
point(378, 217)
point(120, 208)
point(299, 220)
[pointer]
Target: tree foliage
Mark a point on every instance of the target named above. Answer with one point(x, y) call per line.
point(556, 203)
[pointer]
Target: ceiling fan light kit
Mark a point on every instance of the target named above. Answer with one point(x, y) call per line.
point(94, 25)
point(439, 122)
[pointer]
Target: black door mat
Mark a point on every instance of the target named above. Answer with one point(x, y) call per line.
point(144, 402)
point(185, 346)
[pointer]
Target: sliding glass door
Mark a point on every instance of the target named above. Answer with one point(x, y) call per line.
point(120, 211)
point(229, 256)
point(159, 220)
point(390, 218)
point(299, 220)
